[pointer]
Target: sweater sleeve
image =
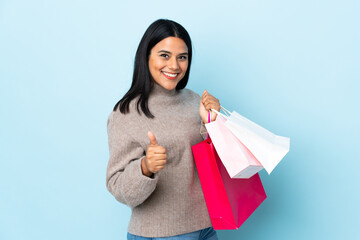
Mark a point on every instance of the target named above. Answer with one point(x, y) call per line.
point(203, 130)
point(124, 178)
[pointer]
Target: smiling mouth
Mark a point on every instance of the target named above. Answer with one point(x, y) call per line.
point(170, 75)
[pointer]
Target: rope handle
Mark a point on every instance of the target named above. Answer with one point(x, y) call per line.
point(226, 114)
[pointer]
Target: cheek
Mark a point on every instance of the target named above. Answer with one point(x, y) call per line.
point(156, 65)
point(184, 67)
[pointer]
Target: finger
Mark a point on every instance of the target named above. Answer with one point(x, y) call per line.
point(210, 98)
point(204, 94)
point(158, 149)
point(210, 105)
point(207, 101)
point(159, 157)
point(158, 168)
point(152, 139)
point(204, 99)
point(160, 163)
point(213, 116)
point(207, 94)
point(213, 101)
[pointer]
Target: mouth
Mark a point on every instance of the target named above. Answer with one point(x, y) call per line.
point(168, 75)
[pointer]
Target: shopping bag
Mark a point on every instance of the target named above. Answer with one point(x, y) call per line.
point(237, 159)
point(267, 147)
point(230, 201)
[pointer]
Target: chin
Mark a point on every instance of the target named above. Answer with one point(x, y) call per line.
point(169, 86)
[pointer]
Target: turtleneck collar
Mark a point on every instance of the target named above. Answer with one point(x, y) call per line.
point(159, 90)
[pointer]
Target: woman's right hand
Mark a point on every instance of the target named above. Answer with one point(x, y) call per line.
point(155, 158)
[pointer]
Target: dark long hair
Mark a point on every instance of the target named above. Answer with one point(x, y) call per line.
point(142, 82)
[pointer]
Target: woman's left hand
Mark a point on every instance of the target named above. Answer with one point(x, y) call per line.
point(208, 102)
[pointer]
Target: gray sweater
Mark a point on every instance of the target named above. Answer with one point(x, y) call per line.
point(172, 202)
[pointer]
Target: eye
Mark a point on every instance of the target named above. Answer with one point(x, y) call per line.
point(164, 55)
point(182, 57)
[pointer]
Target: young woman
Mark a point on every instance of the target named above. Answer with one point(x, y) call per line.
point(151, 131)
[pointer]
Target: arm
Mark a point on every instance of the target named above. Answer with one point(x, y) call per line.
point(125, 177)
point(207, 102)
point(203, 130)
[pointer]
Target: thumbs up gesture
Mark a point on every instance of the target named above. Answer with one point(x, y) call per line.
point(155, 159)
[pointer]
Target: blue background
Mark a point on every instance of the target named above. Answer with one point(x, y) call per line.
point(291, 66)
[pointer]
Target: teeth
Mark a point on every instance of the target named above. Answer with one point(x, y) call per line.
point(170, 75)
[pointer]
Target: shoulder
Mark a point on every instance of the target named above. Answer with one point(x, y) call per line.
point(190, 94)
point(123, 121)
point(115, 118)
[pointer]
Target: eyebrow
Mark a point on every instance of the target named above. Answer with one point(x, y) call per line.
point(164, 51)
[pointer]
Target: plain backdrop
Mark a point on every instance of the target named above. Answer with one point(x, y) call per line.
point(290, 66)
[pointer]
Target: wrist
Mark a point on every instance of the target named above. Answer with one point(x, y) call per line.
point(144, 169)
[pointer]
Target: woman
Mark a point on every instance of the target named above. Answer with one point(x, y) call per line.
point(151, 131)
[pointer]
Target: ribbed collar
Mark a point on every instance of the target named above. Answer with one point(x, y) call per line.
point(159, 90)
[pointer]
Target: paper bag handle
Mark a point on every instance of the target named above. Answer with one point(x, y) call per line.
point(227, 112)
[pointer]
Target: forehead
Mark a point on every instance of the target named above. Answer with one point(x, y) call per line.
point(171, 44)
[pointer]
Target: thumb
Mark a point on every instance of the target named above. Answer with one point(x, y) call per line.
point(152, 139)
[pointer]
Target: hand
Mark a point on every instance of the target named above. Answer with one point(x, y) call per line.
point(207, 102)
point(155, 159)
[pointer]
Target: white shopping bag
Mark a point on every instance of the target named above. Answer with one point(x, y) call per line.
point(267, 147)
point(237, 159)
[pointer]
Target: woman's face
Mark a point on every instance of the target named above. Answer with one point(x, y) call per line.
point(168, 62)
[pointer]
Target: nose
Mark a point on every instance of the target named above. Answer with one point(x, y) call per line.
point(173, 64)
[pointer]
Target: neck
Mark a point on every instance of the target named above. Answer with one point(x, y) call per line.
point(157, 89)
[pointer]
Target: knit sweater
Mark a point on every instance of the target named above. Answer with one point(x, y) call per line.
point(172, 202)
